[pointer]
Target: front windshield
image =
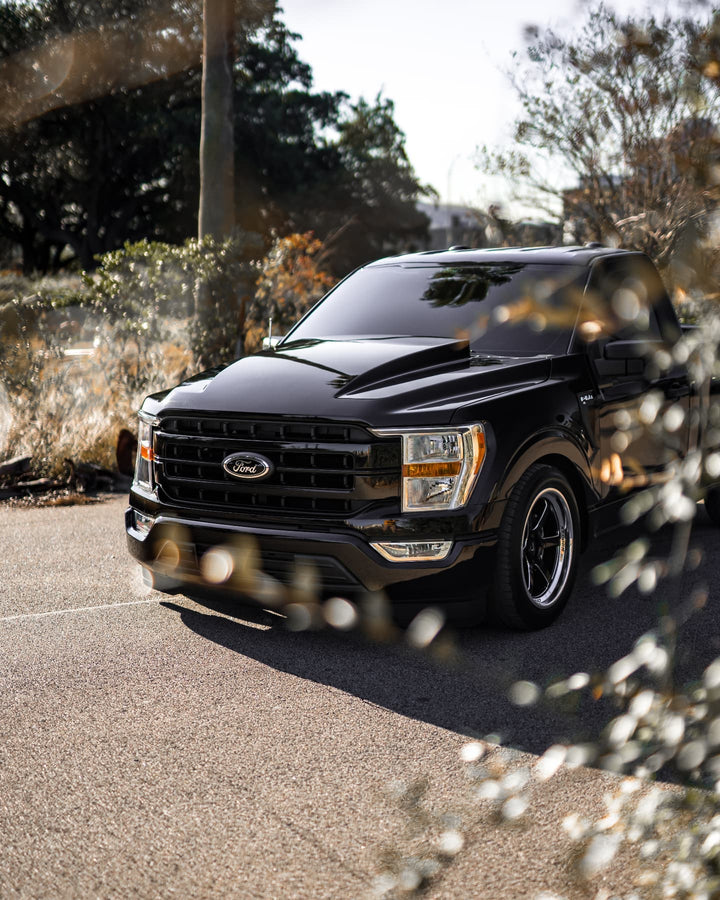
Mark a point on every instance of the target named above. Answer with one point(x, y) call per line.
point(511, 308)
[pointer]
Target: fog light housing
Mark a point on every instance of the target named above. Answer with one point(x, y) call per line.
point(413, 551)
point(142, 523)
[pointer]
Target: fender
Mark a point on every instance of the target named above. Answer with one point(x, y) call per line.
point(558, 443)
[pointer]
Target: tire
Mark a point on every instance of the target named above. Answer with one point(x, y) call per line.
point(537, 550)
point(712, 504)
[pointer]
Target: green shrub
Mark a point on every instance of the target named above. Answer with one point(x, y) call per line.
point(145, 288)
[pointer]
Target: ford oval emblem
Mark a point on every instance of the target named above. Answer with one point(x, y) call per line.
point(247, 466)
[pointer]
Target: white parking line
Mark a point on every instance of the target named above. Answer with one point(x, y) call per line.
point(76, 609)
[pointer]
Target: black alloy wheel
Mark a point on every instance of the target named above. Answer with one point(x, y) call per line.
point(538, 546)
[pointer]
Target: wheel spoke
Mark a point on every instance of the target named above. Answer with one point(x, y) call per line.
point(527, 573)
point(551, 540)
point(541, 517)
point(536, 567)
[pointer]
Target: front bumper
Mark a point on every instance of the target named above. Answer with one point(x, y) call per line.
point(344, 562)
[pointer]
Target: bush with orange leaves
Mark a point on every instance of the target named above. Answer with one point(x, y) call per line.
point(292, 278)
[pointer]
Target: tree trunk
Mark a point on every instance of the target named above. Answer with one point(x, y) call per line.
point(217, 162)
point(216, 213)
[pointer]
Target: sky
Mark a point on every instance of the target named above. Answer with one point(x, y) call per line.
point(444, 63)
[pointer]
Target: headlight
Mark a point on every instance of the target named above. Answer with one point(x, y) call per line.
point(440, 466)
point(145, 453)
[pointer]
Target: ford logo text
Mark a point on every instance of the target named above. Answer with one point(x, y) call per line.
point(247, 466)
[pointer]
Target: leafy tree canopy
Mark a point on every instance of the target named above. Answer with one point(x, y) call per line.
point(100, 124)
point(627, 107)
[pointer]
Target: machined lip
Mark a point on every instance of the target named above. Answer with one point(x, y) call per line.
point(546, 549)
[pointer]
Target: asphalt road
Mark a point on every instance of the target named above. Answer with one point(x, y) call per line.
point(154, 746)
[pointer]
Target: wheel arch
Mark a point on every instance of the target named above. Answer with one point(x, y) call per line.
point(568, 459)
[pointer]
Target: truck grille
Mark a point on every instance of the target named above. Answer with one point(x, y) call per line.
point(326, 469)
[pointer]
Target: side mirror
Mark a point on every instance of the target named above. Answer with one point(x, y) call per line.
point(623, 358)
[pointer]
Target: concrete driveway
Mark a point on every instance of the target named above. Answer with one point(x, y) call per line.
point(153, 746)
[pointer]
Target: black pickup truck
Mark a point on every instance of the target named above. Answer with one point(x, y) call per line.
point(441, 425)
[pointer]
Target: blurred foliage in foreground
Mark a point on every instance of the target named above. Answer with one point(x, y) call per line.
point(80, 353)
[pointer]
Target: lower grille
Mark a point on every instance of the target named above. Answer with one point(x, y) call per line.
point(319, 469)
point(332, 574)
point(280, 565)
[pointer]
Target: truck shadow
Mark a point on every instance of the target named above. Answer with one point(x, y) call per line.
point(470, 696)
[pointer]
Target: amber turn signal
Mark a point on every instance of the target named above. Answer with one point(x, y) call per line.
point(478, 438)
point(431, 469)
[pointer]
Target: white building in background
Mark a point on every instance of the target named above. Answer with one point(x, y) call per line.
point(454, 224)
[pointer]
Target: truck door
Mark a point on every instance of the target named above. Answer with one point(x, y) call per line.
point(640, 411)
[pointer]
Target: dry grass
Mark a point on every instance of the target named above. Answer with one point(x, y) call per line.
point(65, 392)
point(64, 497)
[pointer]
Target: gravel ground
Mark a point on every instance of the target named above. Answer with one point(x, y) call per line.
point(153, 746)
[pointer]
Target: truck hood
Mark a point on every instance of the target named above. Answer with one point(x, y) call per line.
point(380, 381)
